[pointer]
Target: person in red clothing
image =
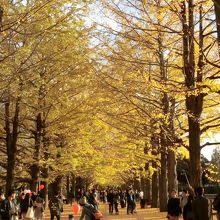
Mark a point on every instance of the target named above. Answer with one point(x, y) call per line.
point(173, 207)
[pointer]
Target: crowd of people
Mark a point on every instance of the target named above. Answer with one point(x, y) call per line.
point(192, 205)
point(114, 198)
point(15, 206)
point(90, 201)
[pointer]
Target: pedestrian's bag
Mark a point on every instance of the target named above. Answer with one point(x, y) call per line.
point(30, 213)
point(98, 215)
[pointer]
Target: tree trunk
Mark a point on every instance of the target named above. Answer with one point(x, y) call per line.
point(57, 184)
point(163, 137)
point(73, 186)
point(194, 103)
point(148, 190)
point(195, 152)
point(171, 168)
point(69, 196)
point(155, 189)
point(163, 183)
point(35, 168)
point(147, 184)
point(45, 170)
point(45, 175)
point(11, 143)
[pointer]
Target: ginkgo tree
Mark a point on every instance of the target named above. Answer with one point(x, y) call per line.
point(40, 72)
point(153, 37)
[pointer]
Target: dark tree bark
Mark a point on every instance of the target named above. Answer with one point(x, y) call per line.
point(147, 189)
point(171, 168)
point(57, 184)
point(73, 184)
point(163, 183)
point(194, 103)
point(35, 168)
point(45, 169)
point(11, 142)
point(155, 189)
point(168, 167)
point(69, 196)
point(45, 175)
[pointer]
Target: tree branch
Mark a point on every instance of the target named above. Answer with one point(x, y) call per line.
point(208, 144)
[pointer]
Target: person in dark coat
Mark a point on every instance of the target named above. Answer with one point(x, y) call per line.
point(19, 199)
point(200, 205)
point(55, 206)
point(122, 199)
point(9, 207)
point(116, 200)
point(187, 209)
point(110, 200)
point(93, 199)
point(25, 204)
point(130, 201)
point(2, 201)
point(173, 206)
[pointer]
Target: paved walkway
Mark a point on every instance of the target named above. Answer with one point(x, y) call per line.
point(142, 214)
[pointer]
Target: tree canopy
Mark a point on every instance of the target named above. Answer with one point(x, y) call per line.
point(109, 91)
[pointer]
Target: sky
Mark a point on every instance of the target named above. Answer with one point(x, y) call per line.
point(207, 151)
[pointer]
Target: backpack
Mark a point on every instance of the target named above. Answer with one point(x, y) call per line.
point(94, 213)
point(54, 207)
point(216, 204)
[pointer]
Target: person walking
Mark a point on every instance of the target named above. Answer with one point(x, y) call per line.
point(187, 209)
point(200, 205)
point(19, 201)
point(25, 204)
point(9, 207)
point(122, 199)
point(87, 210)
point(78, 195)
point(184, 199)
point(116, 201)
point(142, 201)
point(110, 200)
point(173, 206)
point(39, 207)
point(2, 200)
point(55, 206)
point(93, 199)
point(130, 202)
